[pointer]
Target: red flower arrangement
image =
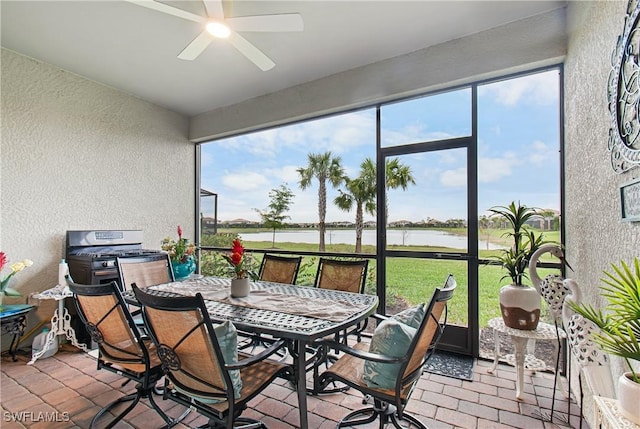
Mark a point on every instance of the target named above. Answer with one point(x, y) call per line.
point(237, 259)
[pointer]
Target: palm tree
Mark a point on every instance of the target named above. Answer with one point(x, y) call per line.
point(362, 193)
point(324, 167)
point(397, 175)
point(362, 190)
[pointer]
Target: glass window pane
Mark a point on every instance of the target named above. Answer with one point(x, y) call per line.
point(430, 118)
point(244, 170)
point(518, 160)
point(431, 213)
point(519, 144)
point(411, 281)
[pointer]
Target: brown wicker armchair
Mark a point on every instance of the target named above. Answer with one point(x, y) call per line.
point(279, 269)
point(200, 359)
point(143, 271)
point(354, 368)
point(122, 349)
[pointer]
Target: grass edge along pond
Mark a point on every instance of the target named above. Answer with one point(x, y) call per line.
point(409, 280)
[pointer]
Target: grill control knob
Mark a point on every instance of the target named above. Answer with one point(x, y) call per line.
point(108, 264)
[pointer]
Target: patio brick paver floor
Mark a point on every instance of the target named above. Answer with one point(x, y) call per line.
point(67, 387)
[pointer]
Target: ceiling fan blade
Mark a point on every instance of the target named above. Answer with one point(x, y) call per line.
point(214, 8)
point(165, 8)
point(195, 48)
point(267, 23)
point(251, 52)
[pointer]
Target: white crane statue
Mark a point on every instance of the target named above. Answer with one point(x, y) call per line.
point(592, 362)
point(553, 290)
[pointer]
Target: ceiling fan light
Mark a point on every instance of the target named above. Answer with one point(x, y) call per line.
point(218, 29)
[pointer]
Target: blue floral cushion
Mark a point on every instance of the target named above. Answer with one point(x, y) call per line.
point(411, 316)
point(228, 339)
point(391, 338)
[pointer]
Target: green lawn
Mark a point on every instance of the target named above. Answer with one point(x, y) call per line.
point(413, 280)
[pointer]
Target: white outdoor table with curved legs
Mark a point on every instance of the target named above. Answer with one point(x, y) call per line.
point(60, 321)
point(522, 360)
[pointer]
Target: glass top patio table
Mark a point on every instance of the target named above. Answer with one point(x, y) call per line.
point(299, 313)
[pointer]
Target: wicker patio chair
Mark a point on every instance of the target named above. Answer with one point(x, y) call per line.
point(122, 349)
point(143, 271)
point(202, 369)
point(279, 269)
point(356, 367)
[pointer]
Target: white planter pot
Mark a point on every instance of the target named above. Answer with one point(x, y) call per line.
point(520, 307)
point(629, 397)
point(240, 287)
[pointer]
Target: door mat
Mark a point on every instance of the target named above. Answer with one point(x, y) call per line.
point(451, 365)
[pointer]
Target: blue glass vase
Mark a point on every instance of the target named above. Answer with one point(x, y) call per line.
point(182, 270)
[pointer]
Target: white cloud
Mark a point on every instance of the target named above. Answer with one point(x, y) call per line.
point(411, 134)
point(247, 181)
point(338, 134)
point(287, 174)
point(539, 89)
point(541, 153)
point(454, 178)
point(495, 169)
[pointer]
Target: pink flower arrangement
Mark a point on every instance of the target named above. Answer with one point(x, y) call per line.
point(179, 251)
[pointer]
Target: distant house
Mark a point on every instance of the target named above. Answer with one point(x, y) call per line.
point(239, 222)
point(341, 224)
point(400, 223)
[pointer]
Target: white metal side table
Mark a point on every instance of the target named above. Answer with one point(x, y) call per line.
point(60, 321)
point(608, 415)
point(521, 359)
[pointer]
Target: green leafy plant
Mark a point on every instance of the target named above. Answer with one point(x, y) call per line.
point(619, 320)
point(525, 242)
point(179, 251)
point(15, 268)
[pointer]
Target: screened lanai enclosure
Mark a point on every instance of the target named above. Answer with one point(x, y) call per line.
point(407, 184)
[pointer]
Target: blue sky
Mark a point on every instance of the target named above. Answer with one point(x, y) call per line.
point(518, 143)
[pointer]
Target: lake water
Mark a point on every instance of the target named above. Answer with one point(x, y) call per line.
point(412, 237)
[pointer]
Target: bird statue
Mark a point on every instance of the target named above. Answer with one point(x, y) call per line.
point(591, 360)
point(579, 330)
point(551, 288)
point(554, 291)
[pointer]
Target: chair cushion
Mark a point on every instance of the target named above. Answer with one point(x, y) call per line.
point(228, 339)
point(411, 316)
point(391, 338)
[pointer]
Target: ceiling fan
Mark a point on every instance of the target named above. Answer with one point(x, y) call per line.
point(215, 25)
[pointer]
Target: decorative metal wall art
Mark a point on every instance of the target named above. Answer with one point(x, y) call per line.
point(623, 94)
point(630, 201)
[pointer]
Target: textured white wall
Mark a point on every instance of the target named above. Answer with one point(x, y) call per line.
point(79, 155)
point(596, 237)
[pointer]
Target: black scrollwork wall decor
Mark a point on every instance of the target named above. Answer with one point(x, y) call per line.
point(623, 93)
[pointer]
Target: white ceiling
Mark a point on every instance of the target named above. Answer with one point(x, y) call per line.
point(134, 49)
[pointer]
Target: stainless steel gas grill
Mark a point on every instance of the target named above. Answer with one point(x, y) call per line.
point(91, 255)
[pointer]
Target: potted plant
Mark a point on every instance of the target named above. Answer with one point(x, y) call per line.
point(238, 261)
point(619, 324)
point(519, 303)
point(4, 282)
point(181, 253)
